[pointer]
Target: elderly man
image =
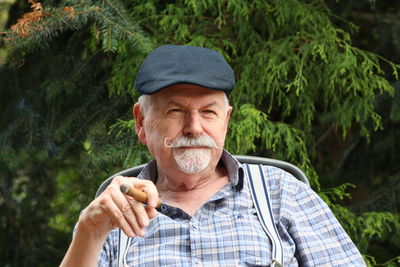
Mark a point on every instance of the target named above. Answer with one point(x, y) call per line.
point(207, 216)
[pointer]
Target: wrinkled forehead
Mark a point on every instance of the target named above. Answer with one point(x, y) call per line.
point(188, 95)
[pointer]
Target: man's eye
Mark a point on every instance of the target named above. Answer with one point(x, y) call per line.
point(209, 112)
point(175, 110)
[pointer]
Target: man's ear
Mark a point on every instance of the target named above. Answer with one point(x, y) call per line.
point(139, 123)
point(228, 115)
point(229, 112)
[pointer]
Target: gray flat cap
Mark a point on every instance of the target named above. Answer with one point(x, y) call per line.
point(171, 64)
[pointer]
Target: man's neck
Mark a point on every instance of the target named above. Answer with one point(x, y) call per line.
point(190, 192)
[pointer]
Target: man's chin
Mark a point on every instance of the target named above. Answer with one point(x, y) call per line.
point(193, 160)
point(190, 167)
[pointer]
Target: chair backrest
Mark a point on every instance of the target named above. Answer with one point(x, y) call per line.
point(286, 166)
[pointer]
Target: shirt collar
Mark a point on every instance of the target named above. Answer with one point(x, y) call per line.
point(233, 166)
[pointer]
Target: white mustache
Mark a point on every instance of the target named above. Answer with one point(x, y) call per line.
point(184, 141)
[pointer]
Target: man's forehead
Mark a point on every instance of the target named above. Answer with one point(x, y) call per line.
point(183, 104)
point(190, 98)
point(187, 91)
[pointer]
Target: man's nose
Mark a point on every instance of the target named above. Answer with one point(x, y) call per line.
point(193, 124)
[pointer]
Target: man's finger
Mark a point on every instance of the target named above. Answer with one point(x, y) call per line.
point(151, 191)
point(118, 218)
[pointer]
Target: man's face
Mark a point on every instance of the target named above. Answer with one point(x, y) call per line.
point(185, 127)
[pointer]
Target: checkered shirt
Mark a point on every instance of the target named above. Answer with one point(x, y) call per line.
point(225, 231)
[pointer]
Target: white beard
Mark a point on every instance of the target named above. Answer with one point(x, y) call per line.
point(192, 161)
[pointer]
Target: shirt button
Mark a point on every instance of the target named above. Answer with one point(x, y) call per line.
point(195, 225)
point(197, 261)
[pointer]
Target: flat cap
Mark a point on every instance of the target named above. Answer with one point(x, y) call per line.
point(171, 64)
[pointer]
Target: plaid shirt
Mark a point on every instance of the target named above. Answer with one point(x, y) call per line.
point(225, 231)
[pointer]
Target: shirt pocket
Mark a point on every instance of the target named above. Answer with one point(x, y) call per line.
point(253, 247)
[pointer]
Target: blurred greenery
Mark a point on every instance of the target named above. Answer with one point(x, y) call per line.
point(316, 86)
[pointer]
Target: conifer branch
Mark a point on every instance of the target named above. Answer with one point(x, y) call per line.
point(35, 27)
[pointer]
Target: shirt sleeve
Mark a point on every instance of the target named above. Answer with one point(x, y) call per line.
point(306, 222)
point(108, 254)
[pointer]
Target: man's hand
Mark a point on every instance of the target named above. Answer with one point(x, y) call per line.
point(114, 209)
point(109, 210)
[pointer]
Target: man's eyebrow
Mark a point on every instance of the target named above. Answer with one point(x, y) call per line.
point(174, 103)
point(211, 104)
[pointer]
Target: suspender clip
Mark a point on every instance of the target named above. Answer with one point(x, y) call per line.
point(275, 263)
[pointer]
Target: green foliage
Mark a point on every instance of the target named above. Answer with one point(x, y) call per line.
point(45, 23)
point(391, 263)
point(305, 93)
point(250, 125)
point(365, 229)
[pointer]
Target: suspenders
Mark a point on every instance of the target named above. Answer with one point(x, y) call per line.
point(123, 245)
point(262, 203)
